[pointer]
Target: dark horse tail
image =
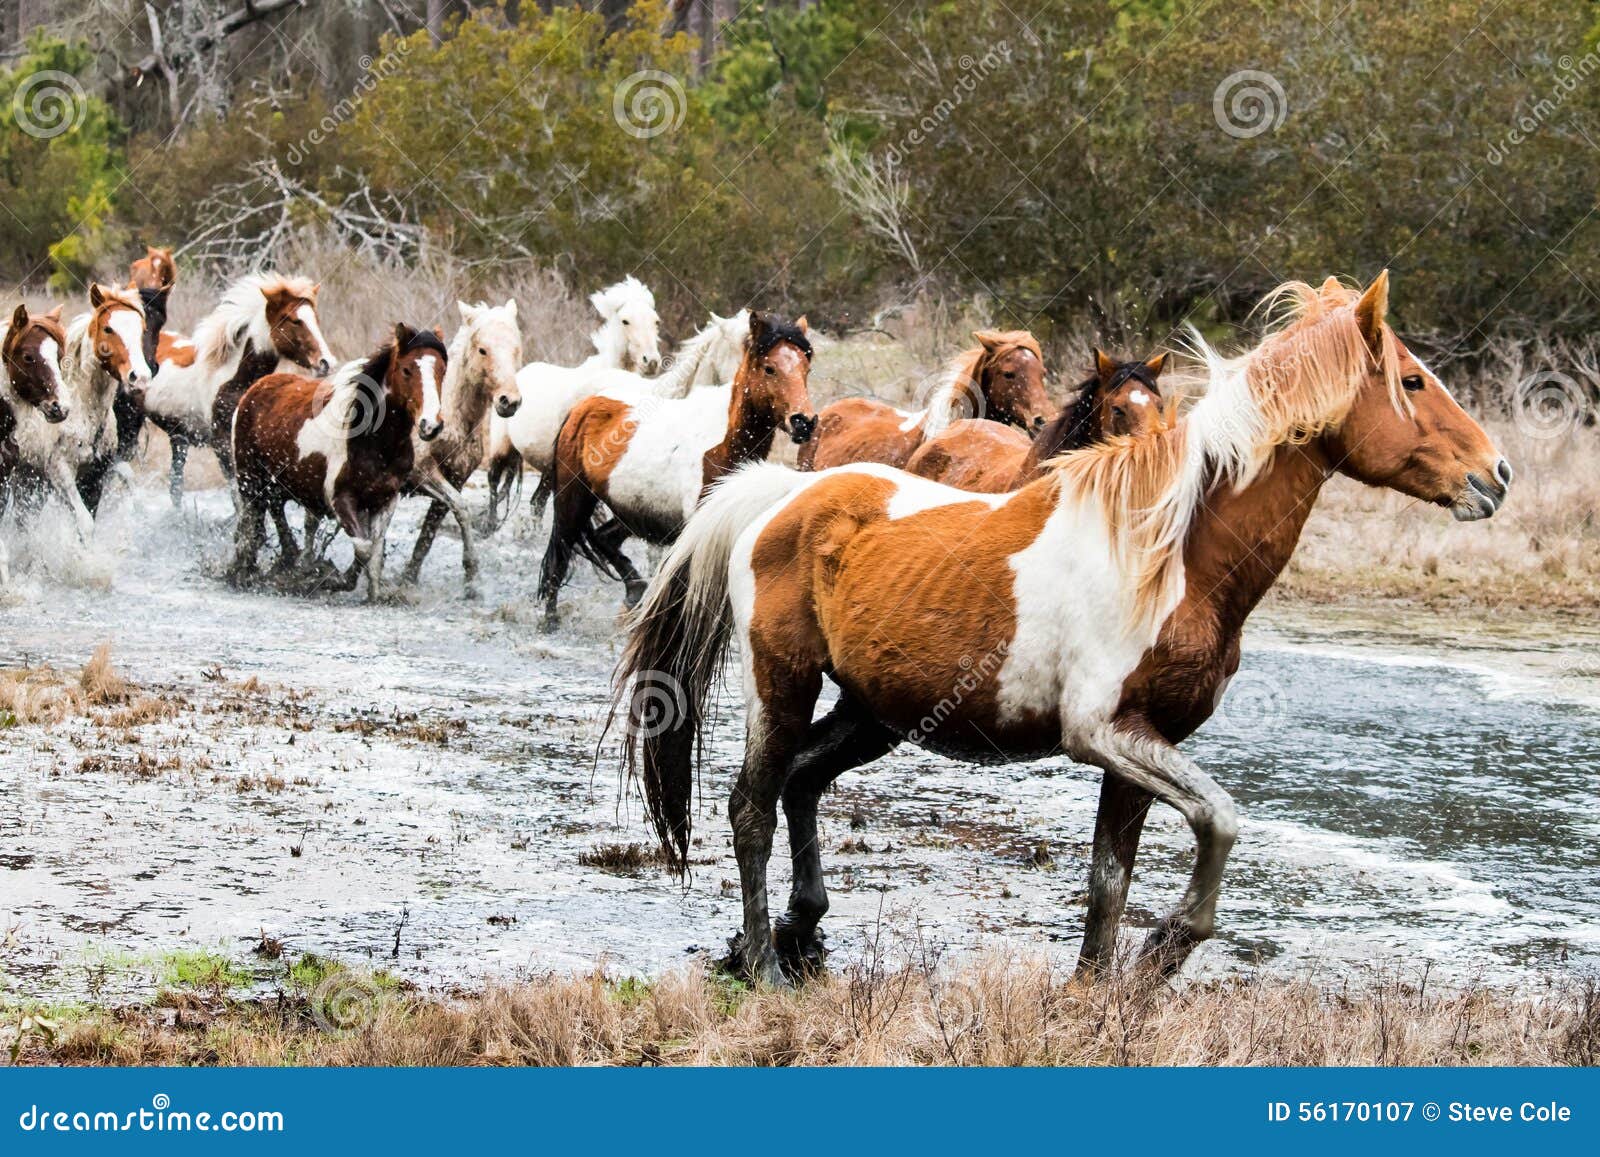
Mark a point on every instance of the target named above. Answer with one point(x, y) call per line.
point(676, 645)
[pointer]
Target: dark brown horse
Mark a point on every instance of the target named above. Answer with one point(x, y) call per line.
point(649, 459)
point(340, 448)
point(31, 404)
point(1120, 400)
point(1001, 379)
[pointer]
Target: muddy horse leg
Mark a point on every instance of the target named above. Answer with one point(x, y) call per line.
point(575, 505)
point(847, 737)
point(431, 522)
point(1117, 828)
point(775, 731)
point(288, 549)
point(1152, 764)
point(608, 539)
point(247, 535)
point(540, 499)
point(180, 456)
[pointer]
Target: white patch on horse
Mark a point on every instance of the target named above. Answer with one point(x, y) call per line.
point(309, 315)
point(661, 470)
point(327, 432)
point(428, 367)
point(128, 325)
point(1139, 398)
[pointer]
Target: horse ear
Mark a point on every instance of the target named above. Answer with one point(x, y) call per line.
point(316, 289)
point(403, 334)
point(511, 306)
point(603, 305)
point(758, 324)
point(987, 338)
point(801, 324)
point(55, 314)
point(1331, 285)
point(97, 295)
point(1373, 308)
point(19, 319)
point(467, 312)
point(438, 332)
point(1156, 364)
point(1103, 365)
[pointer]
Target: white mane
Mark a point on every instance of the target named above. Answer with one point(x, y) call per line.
point(701, 360)
point(241, 313)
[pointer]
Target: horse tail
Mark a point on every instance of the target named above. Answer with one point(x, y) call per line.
point(676, 645)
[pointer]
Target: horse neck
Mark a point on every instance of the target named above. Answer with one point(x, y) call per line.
point(750, 427)
point(1068, 430)
point(464, 396)
point(1240, 540)
point(609, 346)
point(85, 377)
point(677, 381)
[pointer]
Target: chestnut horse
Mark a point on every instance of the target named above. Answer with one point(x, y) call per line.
point(341, 449)
point(1096, 611)
point(1001, 379)
point(649, 459)
point(31, 405)
point(155, 270)
point(1121, 400)
point(260, 320)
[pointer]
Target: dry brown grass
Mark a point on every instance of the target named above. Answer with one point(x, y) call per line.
point(44, 695)
point(997, 1011)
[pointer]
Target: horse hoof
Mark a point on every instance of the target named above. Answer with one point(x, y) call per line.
point(802, 956)
point(1167, 947)
point(765, 971)
point(634, 594)
point(548, 625)
point(471, 593)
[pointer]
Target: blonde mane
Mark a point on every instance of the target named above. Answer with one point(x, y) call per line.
point(242, 313)
point(1300, 381)
point(951, 399)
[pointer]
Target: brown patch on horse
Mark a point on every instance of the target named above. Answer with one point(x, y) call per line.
point(155, 270)
point(110, 350)
point(1001, 379)
point(32, 378)
point(175, 348)
point(973, 454)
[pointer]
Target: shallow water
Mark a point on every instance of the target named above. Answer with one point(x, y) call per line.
point(415, 783)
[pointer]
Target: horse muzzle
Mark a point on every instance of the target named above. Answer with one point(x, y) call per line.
point(429, 430)
point(54, 412)
point(1480, 498)
point(323, 367)
point(801, 427)
point(506, 406)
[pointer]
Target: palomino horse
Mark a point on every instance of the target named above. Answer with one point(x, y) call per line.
point(260, 320)
point(481, 370)
point(31, 406)
point(628, 339)
point(1096, 611)
point(339, 448)
point(710, 358)
point(1121, 400)
point(1000, 379)
point(104, 358)
point(649, 459)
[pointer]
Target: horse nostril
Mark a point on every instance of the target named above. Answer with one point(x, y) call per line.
point(1038, 422)
point(1502, 471)
point(323, 367)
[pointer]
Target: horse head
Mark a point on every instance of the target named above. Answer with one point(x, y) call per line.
point(414, 377)
point(1010, 377)
point(771, 384)
point(32, 355)
point(1404, 430)
point(117, 335)
point(155, 270)
point(491, 349)
point(629, 335)
point(1124, 397)
point(292, 321)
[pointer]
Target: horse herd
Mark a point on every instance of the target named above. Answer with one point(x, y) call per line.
point(993, 577)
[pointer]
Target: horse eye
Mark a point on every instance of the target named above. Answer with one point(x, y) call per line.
point(28, 358)
point(1412, 383)
point(771, 370)
point(626, 322)
point(1011, 374)
point(483, 352)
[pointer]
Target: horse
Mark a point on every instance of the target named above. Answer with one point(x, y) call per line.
point(155, 270)
point(262, 319)
point(31, 405)
point(710, 358)
point(1096, 611)
point(1000, 379)
point(628, 339)
point(103, 356)
point(649, 459)
point(128, 408)
point(1120, 400)
point(339, 448)
point(480, 371)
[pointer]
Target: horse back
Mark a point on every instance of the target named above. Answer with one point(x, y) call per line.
point(267, 425)
point(860, 430)
point(972, 454)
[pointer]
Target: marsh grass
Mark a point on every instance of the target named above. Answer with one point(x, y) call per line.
point(997, 1010)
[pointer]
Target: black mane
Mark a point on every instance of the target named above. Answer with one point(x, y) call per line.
point(1074, 427)
point(778, 330)
point(377, 367)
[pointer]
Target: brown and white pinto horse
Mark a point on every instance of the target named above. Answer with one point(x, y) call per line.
point(1096, 611)
point(155, 270)
point(31, 405)
point(649, 459)
point(1121, 400)
point(260, 320)
point(339, 448)
point(1001, 379)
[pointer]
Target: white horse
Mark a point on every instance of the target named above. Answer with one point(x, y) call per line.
point(261, 319)
point(480, 372)
point(629, 338)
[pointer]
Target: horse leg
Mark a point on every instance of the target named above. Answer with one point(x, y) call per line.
point(1154, 765)
point(574, 509)
point(608, 539)
point(247, 535)
point(847, 737)
point(456, 503)
point(65, 479)
point(288, 549)
point(1117, 828)
point(540, 498)
point(375, 553)
point(775, 730)
point(180, 456)
point(431, 522)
